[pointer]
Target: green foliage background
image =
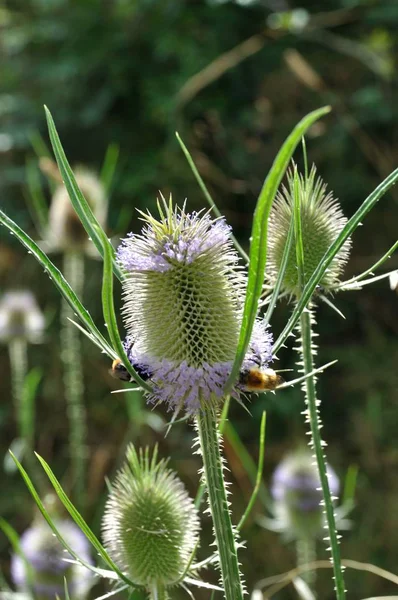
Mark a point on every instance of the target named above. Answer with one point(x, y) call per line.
point(233, 83)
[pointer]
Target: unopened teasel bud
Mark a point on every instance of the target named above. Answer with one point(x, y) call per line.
point(150, 525)
point(322, 221)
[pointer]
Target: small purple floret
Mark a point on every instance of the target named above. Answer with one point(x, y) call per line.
point(147, 253)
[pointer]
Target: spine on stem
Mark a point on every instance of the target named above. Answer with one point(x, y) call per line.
point(313, 418)
point(217, 494)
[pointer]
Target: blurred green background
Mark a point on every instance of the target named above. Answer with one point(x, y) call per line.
point(233, 77)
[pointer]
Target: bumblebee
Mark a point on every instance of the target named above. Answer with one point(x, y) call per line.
point(259, 380)
point(119, 371)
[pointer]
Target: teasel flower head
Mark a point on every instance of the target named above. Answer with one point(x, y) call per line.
point(183, 300)
point(297, 495)
point(150, 525)
point(43, 567)
point(65, 231)
point(20, 317)
point(322, 221)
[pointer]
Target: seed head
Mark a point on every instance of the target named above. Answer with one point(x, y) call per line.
point(296, 491)
point(184, 293)
point(150, 525)
point(321, 221)
point(21, 317)
point(46, 559)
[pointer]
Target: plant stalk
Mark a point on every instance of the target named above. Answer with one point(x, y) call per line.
point(315, 424)
point(207, 425)
point(18, 351)
point(71, 356)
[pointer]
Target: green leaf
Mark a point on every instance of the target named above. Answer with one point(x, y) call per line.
point(35, 196)
point(207, 195)
point(50, 522)
point(13, 538)
point(58, 280)
point(281, 274)
point(80, 522)
point(109, 166)
point(79, 202)
point(258, 247)
point(259, 475)
point(109, 312)
point(319, 272)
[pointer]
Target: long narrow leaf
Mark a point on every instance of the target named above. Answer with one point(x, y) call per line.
point(81, 523)
point(207, 195)
point(109, 166)
point(79, 202)
point(58, 279)
point(35, 196)
point(109, 313)
point(319, 272)
point(281, 274)
point(47, 517)
point(260, 468)
point(258, 247)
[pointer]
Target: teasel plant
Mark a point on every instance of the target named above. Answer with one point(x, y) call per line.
point(296, 513)
point(177, 250)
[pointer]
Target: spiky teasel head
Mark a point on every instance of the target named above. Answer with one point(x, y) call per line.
point(20, 317)
point(65, 231)
point(322, 221)
point(184, 294)
point(296, 490)
point(43, 567)
point(150, 525)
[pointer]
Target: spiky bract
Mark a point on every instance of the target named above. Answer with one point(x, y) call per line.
point(297, 493)
point(45, 558)
point(322, 221)
point(150, 525)
point(184, 294)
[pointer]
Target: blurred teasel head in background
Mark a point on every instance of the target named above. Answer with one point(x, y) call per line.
point(43, 567)
point(297, 495)
point(322, 220)
point(150, 525)
point(65, 231)
point(20, 317)
point(183, 299)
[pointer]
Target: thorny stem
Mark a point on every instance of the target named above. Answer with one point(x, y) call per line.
point(213, 474)
point(314, 420)
point(73, 376)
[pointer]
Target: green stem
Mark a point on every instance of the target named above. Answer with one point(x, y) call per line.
point(18, 350)
point(71, 356)
point(306, 554)
point(315, 424)
point(213, 473)
point(158, 592)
